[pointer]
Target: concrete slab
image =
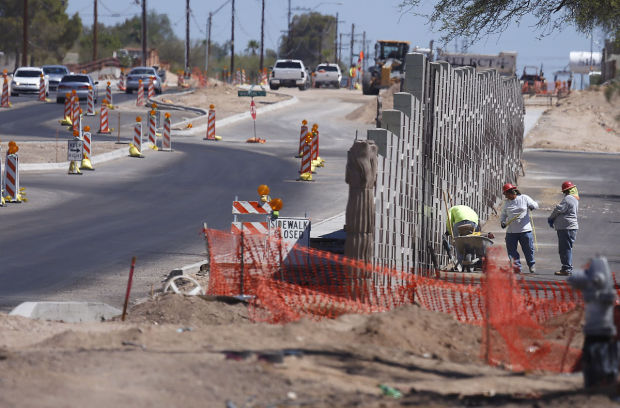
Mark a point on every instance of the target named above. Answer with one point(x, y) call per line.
point(70, 312)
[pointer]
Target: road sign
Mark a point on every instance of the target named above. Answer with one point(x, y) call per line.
point(293, 231)
point(253, 109)
point(251, 92)
point(75, 150)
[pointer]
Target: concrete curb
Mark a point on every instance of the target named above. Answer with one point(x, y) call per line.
point(539, 149)
point(69, 312)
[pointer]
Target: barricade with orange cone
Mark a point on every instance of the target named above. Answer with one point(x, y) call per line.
point(152, 129)
point(90, 102)
point(87, 149)
point(108, 95)
point(66, 120)
point(211, 125)
point(42, 89)
point(4, 102)
point(151, 89)
point(140, 98)
point(13, 193)
point(121, 82)
point(316, 159)
point(75, 110)
point(263, 78)
point(305, 171)
point(103, 118)
point(135, 148)
point(74, 167)
point(166, 142)
point(302, 137)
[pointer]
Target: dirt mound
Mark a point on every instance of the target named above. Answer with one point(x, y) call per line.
point(585, 121)
point(368, 112)
point(191, 311)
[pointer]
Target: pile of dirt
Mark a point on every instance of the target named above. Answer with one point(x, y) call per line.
point(367, 113)
point(194, 311)
point(583, 121)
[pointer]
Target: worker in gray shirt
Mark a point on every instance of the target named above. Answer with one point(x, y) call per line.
point(564, 220)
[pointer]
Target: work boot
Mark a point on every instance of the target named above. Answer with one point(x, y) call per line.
point(532, 269)
point(563, 273)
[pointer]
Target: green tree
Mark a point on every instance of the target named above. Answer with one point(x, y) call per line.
point(477, 18)
point(252, 46)
point(50, 30)
point(311, 39)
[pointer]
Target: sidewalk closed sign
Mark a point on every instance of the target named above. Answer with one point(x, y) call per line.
point(293, 231)
point(74, 150)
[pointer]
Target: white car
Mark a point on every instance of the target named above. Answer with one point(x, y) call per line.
point(26, 80)
point(289, 73)
point(327, 74)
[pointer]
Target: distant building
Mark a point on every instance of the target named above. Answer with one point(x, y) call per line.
point(152, 57)
point(504, 62)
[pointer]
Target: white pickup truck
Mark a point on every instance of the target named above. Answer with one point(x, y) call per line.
point(327, 74)
point(289, 73)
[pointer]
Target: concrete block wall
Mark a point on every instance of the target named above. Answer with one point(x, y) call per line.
point(454, 137)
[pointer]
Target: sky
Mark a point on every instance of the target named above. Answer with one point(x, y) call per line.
point(380, 19)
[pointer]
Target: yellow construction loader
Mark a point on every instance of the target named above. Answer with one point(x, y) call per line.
point(389, 66)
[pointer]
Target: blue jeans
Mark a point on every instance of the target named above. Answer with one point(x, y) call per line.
point(566, 239)
point(526, 239)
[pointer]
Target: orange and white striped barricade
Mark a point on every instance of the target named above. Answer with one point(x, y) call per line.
point(75, 110)
point(140, 98)
point(243, 78)
point(5, 103)
point(302, 138)
point(250, 207)
point(42, 89)
point(166, 142)
point(108, 94)
point(67, 115)
point(250, 228)
point(75, 153)
point(103, 118)
point(87, 149)
point(315, 144)
point(263, 80)
point(305, 171)
point(135, 148)
point(11, 179)
point(121, 83)
point(152, 135)
point(211, 124)
point(90, 102)
point(151, 89)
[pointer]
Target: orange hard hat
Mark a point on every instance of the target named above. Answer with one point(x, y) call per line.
point(508, 187)
point(567, 185)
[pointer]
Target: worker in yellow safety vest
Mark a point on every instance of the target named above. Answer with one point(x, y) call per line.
point(461, 215)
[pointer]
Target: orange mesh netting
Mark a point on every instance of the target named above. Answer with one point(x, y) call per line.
point(516, 315)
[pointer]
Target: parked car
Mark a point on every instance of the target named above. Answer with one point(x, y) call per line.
point(55, 74)
point(327, 74)
point(145, 74)
point(79, 83)
point(289, 73)
point(26, 80)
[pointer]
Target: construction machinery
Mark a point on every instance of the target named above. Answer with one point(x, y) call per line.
point(389, 66)
point(533, 79)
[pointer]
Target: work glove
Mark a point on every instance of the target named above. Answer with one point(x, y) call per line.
point(550, 222)
point(503, 225)
point(531, 208)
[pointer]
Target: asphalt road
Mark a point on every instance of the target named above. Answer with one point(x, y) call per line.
point(31, 120)
point(74, 238)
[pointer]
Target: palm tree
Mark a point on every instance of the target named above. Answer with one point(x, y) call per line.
point(253, 45)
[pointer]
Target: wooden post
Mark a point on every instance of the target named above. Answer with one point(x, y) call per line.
point(129, 281)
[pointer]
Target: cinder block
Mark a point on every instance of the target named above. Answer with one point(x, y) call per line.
point(379, 136)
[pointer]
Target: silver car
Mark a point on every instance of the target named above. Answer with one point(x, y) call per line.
point(79, 83)
point(145, 74)
point(55, 74)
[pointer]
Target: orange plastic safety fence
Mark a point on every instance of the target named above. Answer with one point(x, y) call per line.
point(285, 286)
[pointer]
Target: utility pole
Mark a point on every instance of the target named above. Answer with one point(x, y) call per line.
point(208, 50)
point(262, 36)
point(187, 37)
point(364, 49)
point(336, 40)
point(340, 48)
point(288, 34)
point(232, 41)
point(95, 31)
point(25, 35)
point(352, 42)
point(143, 32)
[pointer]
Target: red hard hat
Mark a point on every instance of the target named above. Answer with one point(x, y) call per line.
point(567, 184)
point(508, 187)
